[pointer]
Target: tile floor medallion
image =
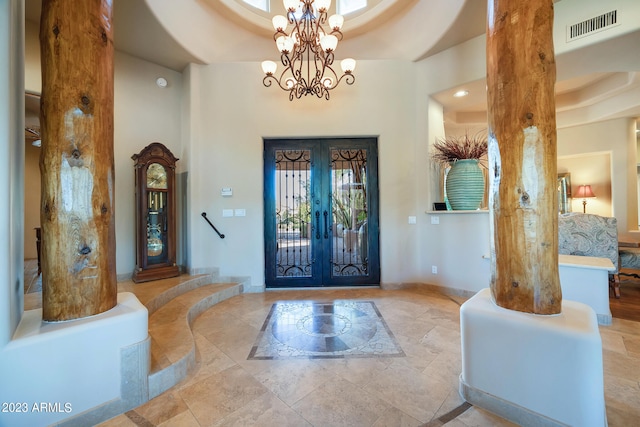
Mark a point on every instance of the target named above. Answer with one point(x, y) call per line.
point(323, 330)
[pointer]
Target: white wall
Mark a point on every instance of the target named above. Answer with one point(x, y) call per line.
point(11, 166)
point(144, 113)
point(617, 137)
point(570, 12)
point(592, 169)
point(458, 245)
point(231, 111)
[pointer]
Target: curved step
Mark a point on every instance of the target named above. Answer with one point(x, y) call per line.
point(169, 294)
point(171, 314)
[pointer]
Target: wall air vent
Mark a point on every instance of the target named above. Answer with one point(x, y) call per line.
point(592, 25)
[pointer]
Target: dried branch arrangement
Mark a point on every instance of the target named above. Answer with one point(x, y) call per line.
point(453, 148)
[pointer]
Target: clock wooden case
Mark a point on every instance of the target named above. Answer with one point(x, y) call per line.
point(155, 214)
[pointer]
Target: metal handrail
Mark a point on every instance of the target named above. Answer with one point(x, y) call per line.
point(204, 215)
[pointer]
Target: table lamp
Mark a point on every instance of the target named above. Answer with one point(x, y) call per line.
point(584, 192)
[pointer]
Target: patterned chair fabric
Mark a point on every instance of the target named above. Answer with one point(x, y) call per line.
point(588, 235)
point(630, 258)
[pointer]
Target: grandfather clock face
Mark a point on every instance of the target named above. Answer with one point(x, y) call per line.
point(156, 176)
point(156, 214)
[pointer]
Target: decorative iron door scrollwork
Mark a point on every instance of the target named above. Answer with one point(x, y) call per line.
point(321, 212)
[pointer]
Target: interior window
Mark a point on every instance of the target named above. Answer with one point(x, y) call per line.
point(345, 7)
point(259, 4)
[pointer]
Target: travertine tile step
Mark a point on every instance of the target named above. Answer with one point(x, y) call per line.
point(170, 325)
point(173, 304)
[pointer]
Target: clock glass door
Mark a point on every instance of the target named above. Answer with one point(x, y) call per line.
point(321, 212)
point(156, 214)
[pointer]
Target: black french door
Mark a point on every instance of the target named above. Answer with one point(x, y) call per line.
point(321, 212)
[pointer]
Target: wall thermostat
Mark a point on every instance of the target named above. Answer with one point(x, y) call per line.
point(226, 192)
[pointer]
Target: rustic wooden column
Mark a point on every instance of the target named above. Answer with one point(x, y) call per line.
point(76, 161)
point(522, 156)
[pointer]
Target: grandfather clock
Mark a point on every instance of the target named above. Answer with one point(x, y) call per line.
point(155, 214)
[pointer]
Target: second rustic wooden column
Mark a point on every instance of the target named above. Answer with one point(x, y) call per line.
point(76, 161)
point(522, 156)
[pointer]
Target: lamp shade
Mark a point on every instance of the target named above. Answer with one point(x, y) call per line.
point(285, 44)
point(584, 192)
point(322, 5)
point(329, 43)
point(291, 5)
point(348, 65)
point(269, 67)
point(279, 23)
point(336, 21)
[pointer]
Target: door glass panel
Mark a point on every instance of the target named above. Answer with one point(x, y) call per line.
point(350, 252)
point(294, 252)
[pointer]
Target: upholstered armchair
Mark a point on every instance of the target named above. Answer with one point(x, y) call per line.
point(591, 235)
point(630, 258)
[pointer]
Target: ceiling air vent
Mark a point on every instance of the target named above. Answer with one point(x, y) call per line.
point(592, 25)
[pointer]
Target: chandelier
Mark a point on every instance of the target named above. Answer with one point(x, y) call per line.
point(306, 52)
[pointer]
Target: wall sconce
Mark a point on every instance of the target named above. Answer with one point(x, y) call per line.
point(584, 192)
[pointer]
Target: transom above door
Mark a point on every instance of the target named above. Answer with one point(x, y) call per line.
point(321, 212)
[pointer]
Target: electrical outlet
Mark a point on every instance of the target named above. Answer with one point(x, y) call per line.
point(434, 269)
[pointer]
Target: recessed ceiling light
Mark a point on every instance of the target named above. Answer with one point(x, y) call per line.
point(461, 93)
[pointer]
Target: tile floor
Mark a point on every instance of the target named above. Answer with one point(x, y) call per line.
point(418, 389)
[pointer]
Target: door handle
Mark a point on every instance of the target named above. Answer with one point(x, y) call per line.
point(326, 233)
point(317, 224)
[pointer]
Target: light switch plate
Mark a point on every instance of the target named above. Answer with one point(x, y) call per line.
point(240, 212)
point(227, 212)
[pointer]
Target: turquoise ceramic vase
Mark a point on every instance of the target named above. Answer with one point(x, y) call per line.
point(465, 185)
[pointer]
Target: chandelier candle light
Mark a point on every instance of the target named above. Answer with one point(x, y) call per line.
point(306, 52)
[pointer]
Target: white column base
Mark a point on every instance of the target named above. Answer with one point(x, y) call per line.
point(530, 369)
point(93, 366)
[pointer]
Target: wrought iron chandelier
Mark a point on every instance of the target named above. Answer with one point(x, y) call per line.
point(306, 52)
